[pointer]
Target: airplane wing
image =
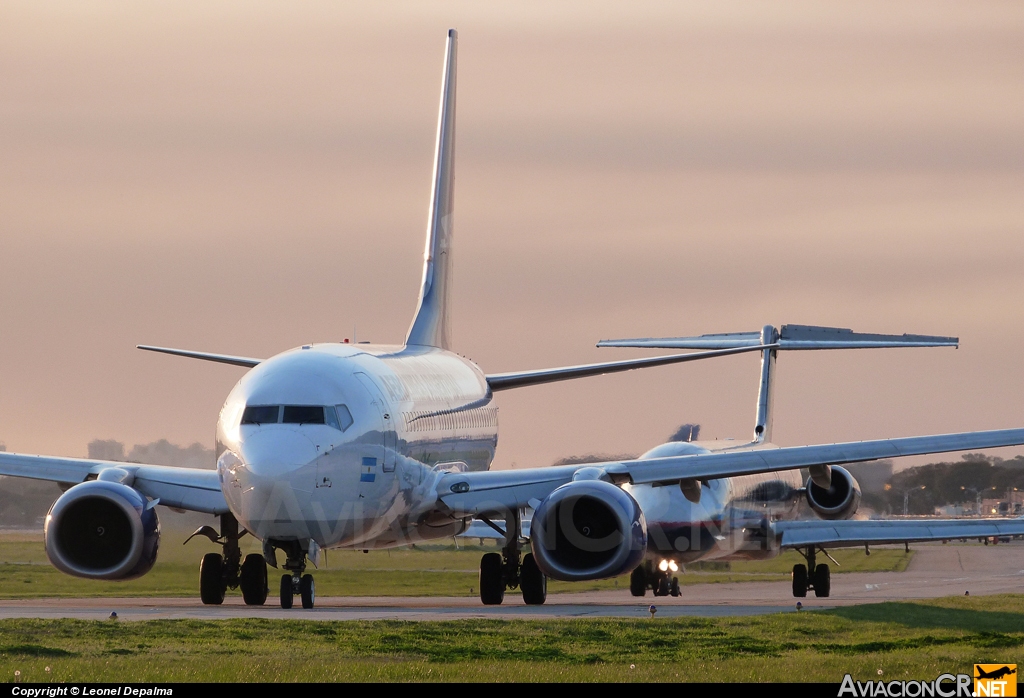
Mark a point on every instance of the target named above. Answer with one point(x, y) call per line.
point(182, 488)
point(519, 379)
point(836, 534)
point(500, 490)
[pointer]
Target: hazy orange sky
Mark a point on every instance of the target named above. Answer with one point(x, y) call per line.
point(245, 177)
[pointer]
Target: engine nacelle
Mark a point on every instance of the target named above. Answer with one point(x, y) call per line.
point(840, 501)
point(588, 529)
point(102, 530)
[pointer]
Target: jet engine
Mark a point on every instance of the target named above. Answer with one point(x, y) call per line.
point(588, 529)
point(102, 530)
point(840, 500)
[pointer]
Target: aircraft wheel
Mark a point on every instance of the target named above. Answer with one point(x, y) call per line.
point(287, 592)
point(253, 580)
point(822, 580)
point(800, 580)
point(533, 582)
point(674, 589)
point(307, 590)
point(664, 586)
point(638, 582)
point(211, 579)
point(492, 582)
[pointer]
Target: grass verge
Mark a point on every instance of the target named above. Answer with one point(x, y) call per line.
point(902, 640)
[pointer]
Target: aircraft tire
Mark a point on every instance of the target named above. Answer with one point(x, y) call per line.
point(822, 581)
point(287, 592)
point(211, 579)
point(533, 582)
point(638, 582)
point(664, 585)
point(674, 589)
point(492, 582)
point(307, 590)
point(253, 580)
point(800, 580)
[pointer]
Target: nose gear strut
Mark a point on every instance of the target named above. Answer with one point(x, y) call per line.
point(295, 581)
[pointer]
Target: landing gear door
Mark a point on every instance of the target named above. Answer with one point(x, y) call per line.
point(387, 419)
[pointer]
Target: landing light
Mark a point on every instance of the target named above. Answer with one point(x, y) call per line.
point(673, 566)
point(663, 565)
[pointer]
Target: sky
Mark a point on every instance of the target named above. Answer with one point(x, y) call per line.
point(245, 177)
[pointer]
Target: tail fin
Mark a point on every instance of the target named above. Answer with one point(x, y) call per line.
point(430, 326)
point(791, 337)
point(766, 392)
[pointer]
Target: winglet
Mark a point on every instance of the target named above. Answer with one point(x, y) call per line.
point(430, 325)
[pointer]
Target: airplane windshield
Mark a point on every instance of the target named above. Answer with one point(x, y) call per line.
point(337, 416)
point(303, 414)
point(261, 414)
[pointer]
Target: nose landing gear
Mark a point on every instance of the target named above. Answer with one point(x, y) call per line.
point(295, 581)
point(661, 582)
point(290, 585)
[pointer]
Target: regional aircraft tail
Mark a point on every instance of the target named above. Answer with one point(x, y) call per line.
point(791, 337)
point(430, 326)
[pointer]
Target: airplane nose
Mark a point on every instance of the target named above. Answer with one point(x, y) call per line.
point(275, 452)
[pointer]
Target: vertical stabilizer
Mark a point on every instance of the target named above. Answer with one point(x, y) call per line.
point(430, 327)
point(765, 393)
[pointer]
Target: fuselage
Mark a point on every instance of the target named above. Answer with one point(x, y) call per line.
point(395, 420)
point(343, 444)
point(730, 520)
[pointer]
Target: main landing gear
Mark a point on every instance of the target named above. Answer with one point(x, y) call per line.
point(811, 576)
point(219, 572)
point(646, 576)
point(501, 571)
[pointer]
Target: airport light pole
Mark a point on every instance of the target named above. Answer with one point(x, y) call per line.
point(906, 498)
point(977, 497)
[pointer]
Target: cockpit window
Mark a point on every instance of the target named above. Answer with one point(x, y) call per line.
point(303, 414)
point(344, 417)
point(333, 416)
point(261, 414)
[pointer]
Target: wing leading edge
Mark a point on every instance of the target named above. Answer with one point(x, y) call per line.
point(183, 488)
point(837, 534)
point(492, 491)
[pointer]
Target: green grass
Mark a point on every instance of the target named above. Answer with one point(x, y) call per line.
point(904, 640)
point(431, 571)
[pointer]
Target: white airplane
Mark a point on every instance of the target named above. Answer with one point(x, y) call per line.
point(369, 446)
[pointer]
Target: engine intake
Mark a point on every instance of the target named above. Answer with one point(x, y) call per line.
point(588, 529)
point(102, 530)
point(840, 500)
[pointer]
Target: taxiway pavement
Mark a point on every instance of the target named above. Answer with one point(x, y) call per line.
point(936, 570)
